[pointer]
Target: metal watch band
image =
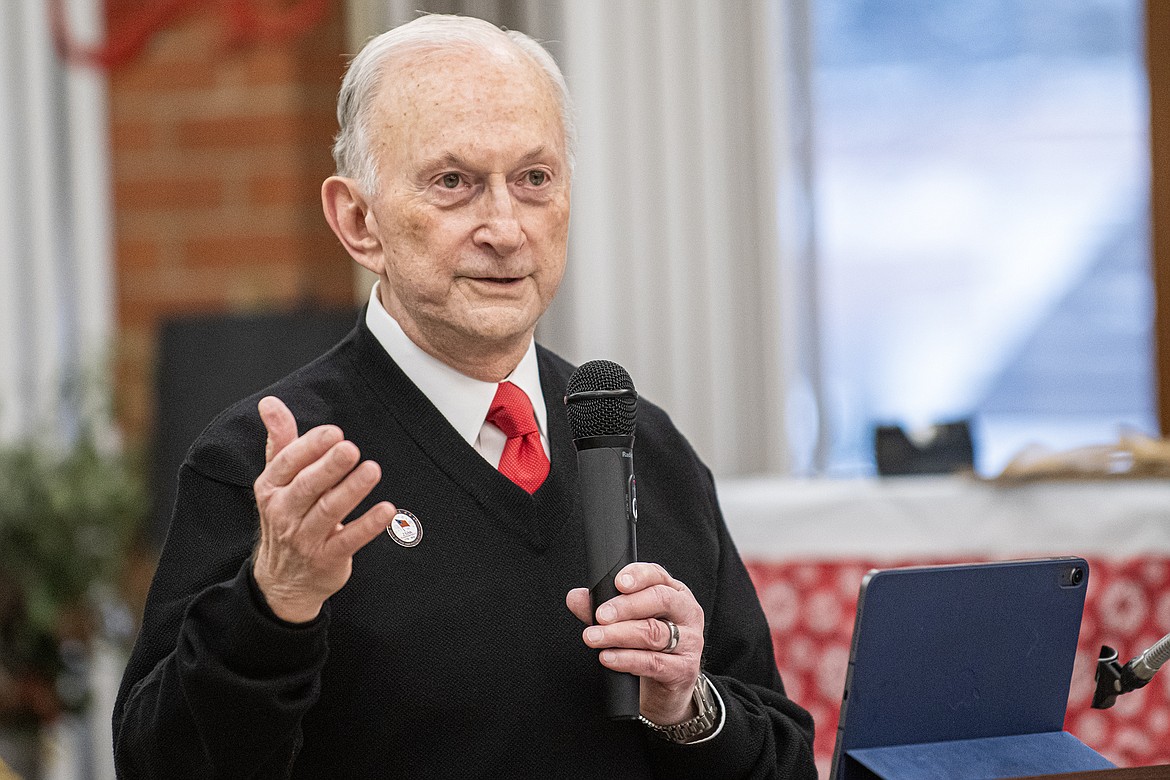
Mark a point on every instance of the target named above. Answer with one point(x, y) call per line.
point(695, 728)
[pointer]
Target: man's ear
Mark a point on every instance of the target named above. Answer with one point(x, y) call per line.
point(348, 214)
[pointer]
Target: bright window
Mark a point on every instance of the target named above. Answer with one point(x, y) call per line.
point(981, 199)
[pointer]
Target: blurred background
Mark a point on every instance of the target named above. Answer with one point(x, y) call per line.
point(816, 231)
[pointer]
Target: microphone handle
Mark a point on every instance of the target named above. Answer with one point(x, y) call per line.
point(605, 467)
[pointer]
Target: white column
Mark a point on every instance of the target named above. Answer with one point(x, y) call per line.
point(55, 224)
point(36, 220)
point(11, 217)
point(86, 162)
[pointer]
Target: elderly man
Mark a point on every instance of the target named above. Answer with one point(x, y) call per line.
point(302, 625)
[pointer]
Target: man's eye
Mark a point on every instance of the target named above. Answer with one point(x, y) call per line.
point(450, 180)
point(537, 178)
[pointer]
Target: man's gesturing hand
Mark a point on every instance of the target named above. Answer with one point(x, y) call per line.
point(308, 486)
point(631, 636)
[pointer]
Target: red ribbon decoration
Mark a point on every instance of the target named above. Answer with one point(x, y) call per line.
point(243, 24)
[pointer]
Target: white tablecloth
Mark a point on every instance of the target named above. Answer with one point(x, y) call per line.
point(773, 519)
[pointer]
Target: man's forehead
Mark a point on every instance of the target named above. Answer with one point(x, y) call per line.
point(460, 70)
point(492, 107)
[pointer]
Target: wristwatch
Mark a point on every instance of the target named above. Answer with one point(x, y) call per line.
point(697, 727)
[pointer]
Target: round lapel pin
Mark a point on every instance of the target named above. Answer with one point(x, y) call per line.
point(405, 529)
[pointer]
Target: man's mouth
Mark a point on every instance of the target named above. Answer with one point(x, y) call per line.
point(501, 281)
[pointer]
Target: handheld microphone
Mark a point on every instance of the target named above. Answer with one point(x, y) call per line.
point(601, 404)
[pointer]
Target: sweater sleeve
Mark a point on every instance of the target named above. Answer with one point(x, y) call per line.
point(217, 685)
point(765, 734)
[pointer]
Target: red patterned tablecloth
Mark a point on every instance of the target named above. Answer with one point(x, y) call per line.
point(810, 605)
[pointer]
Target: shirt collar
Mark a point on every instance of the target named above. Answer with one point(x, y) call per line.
point(464, 401)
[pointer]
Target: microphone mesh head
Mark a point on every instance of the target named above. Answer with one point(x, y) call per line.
point(608, 416)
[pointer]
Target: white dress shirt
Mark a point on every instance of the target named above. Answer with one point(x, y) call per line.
point(462, 400)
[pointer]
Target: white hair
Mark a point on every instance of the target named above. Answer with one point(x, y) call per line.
point(351, 148)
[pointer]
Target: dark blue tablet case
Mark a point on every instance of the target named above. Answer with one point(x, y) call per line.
point(963, 671)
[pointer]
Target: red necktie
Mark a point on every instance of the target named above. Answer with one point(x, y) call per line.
point(523, 461)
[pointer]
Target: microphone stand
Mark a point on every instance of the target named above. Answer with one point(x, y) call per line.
point(1113, 679)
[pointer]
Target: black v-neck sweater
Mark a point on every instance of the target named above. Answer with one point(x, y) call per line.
point(453, 658)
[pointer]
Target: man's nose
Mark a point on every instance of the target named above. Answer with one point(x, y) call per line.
point(500, 226)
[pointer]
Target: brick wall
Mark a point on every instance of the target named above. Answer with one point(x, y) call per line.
point(218, 153)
